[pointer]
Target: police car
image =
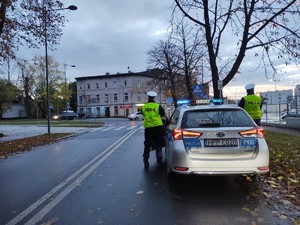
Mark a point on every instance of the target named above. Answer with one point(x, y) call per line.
point(210, 138)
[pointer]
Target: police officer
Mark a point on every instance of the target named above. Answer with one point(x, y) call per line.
point(153, 128)
point(252, 104)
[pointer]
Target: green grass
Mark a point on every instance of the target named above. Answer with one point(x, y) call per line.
point(284, 158)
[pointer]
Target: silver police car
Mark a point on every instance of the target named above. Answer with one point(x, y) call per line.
point(215, 140)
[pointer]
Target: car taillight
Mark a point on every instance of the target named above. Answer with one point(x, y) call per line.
point(179, 134)
point(255, 132)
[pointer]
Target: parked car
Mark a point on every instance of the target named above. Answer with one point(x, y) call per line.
point(69, 115)
point(291, 113)
point(215, 140)
point(135, 116)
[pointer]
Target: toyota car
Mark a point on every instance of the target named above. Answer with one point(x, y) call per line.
point(215, 139)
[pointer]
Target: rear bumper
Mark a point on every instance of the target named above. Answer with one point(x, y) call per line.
point(220, 171)
point(179, 161)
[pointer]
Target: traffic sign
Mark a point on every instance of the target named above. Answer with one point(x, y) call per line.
point(169, 100)
point(198, 88)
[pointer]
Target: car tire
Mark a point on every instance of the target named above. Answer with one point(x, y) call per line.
point(136, 118)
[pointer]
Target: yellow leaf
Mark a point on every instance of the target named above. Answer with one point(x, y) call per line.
point(246, 209)
point(280, 178)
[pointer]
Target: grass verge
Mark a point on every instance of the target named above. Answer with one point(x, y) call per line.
point(284, 163)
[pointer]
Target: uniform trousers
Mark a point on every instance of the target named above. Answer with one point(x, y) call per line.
point(153, 137)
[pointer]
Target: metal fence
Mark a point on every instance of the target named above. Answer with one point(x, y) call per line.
point(276, 112)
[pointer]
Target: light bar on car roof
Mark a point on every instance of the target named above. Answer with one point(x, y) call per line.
point(216, 100)
point(199, 101)
point(183, 101)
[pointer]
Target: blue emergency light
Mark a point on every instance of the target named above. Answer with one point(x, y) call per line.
point(216, 100)
point(183, 101)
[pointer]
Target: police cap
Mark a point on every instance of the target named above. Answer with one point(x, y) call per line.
point(152, 94)
point(249, 86)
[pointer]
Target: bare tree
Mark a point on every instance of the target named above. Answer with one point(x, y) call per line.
point(191, 49)
point(270, 28)
point(178, 57)
point(164, 55)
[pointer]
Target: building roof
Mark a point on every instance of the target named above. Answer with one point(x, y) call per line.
point(149, 73)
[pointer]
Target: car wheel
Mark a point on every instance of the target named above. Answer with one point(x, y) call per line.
point(136, 118)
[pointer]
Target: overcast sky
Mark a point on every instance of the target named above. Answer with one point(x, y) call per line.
point(112, 35)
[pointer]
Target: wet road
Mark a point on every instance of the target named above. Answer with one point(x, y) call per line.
point(97, 177)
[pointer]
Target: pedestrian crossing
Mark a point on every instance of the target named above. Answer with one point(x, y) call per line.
point(117, 128)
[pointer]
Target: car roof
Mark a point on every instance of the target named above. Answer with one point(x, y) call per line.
point(210, 106)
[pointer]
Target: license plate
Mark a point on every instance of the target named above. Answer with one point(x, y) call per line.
point(191, 143)
point(248, 142)
point(228, 142)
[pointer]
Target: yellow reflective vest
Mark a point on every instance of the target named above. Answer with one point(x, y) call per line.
point(252, 106)
point(151, 115)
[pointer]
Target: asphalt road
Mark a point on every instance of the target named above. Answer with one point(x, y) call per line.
point(97, 177)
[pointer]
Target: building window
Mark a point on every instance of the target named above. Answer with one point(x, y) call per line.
point(88, 86)
point(88, 99)
point(138, 83)
point(105, 85)
point(97, 98)
point(125, 83)
point(115, 97)
point(126, 97)
point(80, 99)
point(115, 84)
point(139, 97)
point(97, 85)
point(106, 98)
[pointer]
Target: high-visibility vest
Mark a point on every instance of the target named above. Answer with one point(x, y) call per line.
point(252, 106)
point(151, 115)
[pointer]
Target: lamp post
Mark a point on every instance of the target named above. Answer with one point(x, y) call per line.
point(275, 81)
point(45, 11)
point(65, 71)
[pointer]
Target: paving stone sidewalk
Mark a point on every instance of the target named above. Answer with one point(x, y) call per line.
point(280, 129)
point(13, 132)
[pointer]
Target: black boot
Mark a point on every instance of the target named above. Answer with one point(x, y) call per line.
point(146, 163)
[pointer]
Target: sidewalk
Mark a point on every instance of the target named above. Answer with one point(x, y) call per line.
point(280, 128)
point(13, 132)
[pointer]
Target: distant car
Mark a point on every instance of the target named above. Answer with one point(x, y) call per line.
point(292, 113)
point(69, 115)
point(215, 140)
point(135, 116)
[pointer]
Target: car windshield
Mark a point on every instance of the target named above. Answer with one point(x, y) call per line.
point(216, 118)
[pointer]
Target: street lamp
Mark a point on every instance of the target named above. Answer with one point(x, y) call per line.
point(275, 81)
point(65, 71)
point(71, 7)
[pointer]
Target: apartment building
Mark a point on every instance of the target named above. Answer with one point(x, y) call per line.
point(276, 97)
point(276, 101)
point(116, 95)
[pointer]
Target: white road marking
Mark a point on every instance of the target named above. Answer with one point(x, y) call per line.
point(131, 127)
point(120, 128)
point(86, 170)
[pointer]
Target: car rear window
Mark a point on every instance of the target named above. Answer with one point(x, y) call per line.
point(216, 118)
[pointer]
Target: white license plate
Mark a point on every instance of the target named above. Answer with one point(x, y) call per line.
point(228, 142)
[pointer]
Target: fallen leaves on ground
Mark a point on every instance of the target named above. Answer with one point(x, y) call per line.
point(284, 172)
point(25, 144)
